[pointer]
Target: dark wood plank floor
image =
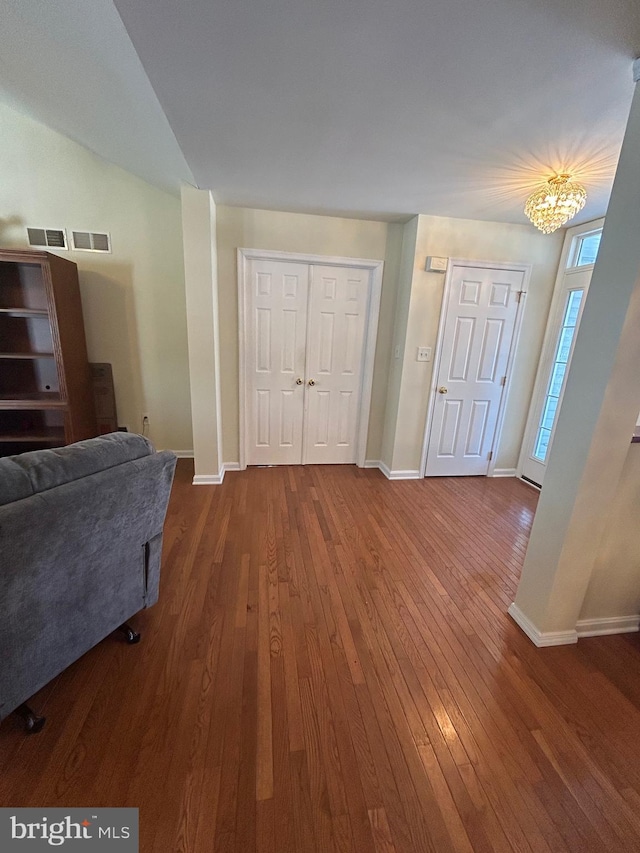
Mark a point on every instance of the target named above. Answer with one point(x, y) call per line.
point(331, 668)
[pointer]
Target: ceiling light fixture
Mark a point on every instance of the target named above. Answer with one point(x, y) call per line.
point(555, 203)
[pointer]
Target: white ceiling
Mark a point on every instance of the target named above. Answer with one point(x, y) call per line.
point(359, 107)
point(71, 65)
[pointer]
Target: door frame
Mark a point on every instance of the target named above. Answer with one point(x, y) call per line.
point(375, 267)
point(446, 294)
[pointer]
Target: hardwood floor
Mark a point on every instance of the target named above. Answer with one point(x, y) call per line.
point(331, 668)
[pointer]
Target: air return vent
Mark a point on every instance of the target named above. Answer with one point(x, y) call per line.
point(89, 241)
point(52, 238)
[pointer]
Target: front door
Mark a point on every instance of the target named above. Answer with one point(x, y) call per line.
point(479, 322)
point(305, 335)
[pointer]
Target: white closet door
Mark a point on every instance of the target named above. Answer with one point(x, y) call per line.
point(337, 321)
point(275, 361)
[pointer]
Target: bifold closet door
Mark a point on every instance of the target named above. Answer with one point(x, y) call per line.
point(304, 345)
point(275, 346)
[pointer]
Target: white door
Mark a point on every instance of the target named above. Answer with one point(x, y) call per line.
point(338, 301)
point(479, 322)
point(276, 319)
point(305, 327)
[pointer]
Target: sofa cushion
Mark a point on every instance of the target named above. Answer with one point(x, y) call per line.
point(15, 483)
point(40, 470)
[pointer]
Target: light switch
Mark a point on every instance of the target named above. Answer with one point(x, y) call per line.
point(424, 354)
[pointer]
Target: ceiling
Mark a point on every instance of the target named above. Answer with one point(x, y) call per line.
point(372, 108)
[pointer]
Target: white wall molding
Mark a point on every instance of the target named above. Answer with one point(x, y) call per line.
point(503, 472)
point(183, 454)
point(208, 479)
point(403, 475)
point(215, 479)
point(372, 463)
point(393, 475)
point(608, 625)
point(541, 638)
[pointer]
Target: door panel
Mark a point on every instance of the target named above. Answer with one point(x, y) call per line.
point(478, 330)
point(275, 359)
point(337, 320)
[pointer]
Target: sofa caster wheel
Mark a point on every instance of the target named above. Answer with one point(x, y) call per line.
point(32, 722)
point(132, 637)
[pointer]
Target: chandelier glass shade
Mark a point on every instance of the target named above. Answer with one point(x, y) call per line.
point(555, 203)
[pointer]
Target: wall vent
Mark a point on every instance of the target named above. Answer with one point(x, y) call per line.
point(90, 241)
point(50, 238)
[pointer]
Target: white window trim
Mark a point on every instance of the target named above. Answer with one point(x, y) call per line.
point(554, 319)
point(575, 240)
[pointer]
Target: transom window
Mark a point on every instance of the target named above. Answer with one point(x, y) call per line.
point(585, 249)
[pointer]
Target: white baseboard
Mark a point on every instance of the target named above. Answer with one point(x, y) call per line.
point(395, 475)
point(404, 475)
point(608, 625)
point(372, 463)
point(541, 638)
point(208, 479)
point(183, 454)
point(215, 479)
point(504, 472)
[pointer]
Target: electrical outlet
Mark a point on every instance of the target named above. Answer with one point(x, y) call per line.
point(145, 419)
point(424, 354)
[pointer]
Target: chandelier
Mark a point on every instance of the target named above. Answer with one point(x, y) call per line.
point(555, 203)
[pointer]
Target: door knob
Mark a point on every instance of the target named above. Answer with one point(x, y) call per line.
point(442, 390)
point(312, 382)
point(298, 381)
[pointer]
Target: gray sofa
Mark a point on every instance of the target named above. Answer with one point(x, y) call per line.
point(80, 545)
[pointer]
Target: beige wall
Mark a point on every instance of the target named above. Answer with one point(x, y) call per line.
point(294, 232)
point(133, 299)
point(482, 241)
point(614, 588)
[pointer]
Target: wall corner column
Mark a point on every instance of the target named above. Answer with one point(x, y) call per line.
point(201, 288)
point(597, 419)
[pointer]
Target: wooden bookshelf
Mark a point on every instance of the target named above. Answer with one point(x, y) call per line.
point(46, 397)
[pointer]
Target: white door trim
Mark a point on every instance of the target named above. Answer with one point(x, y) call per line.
point(375, 268)
point(465, 262)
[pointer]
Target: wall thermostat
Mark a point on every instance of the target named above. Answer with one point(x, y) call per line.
point(436, 264)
